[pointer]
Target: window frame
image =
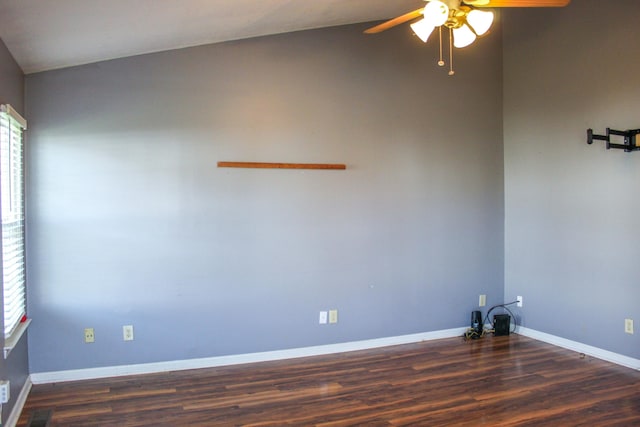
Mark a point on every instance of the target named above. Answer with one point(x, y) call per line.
point(12, 178)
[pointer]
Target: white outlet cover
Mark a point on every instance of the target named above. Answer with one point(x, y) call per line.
point(127, 332)
point(89, 335)
point(323, 318)
point(5, 390)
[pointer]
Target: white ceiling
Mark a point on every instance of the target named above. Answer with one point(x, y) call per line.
point(48, 34)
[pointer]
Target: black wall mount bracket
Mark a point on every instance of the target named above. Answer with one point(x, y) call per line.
point(629, 138)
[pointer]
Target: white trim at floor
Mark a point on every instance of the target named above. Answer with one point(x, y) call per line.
point(211, 362)
point(596, 352)
point(14, 416)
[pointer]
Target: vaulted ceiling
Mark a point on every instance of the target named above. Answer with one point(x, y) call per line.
point(49, 34)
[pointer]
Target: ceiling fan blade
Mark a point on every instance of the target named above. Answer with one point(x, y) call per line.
point(395, 21)
point(517, 3)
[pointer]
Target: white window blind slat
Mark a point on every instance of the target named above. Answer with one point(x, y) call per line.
point(12, 205)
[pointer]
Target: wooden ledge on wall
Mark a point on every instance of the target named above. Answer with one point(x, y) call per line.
point(260, 165)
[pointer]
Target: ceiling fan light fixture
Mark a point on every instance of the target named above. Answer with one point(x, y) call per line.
point(463, 36)
point(422, 29)
point(436, 13)
point(480, 21)
point(460, 17)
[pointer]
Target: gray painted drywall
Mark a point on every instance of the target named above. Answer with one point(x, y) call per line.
point(16, 367)
point(131, 222)
point(571, 240)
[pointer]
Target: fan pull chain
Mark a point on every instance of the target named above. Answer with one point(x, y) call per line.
point(440, 62)
point(451, 72)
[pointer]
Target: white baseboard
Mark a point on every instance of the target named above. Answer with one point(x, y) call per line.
point(14, 416)
point(211, 362)
point(596, 352)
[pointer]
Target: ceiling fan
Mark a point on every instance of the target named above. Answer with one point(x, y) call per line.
point(465, 20)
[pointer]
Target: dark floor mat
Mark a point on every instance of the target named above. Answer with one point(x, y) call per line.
point(40, 418)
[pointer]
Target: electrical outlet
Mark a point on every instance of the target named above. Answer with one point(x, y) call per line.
point(89, 336)
point(482, 301)
point(127, 332)
point(323, 318)
point(333, 316)
point(519, 299)
point(4, 391)
point(628, 326)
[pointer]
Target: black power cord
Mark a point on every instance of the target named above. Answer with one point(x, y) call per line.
point(503, 306)
point(473, 334)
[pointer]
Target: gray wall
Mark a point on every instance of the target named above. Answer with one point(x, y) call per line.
point(572, 209)
point(15, 367)
point(132, 223)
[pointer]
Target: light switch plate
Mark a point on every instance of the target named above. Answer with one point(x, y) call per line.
point(628, 326)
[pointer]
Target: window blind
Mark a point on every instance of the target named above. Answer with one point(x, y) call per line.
point(12, 204)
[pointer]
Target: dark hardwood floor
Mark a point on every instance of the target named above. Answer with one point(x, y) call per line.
point(495, 381)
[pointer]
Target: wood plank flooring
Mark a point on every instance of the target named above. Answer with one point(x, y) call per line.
point(495, 381)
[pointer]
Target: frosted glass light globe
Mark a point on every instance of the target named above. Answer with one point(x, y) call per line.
point(436, 13)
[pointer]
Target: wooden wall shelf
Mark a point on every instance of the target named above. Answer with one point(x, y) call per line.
point(259, 165)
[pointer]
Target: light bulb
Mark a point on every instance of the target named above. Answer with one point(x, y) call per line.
point(436, 13)
point(423, 29)
point(463, 36)
point(480, 20)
